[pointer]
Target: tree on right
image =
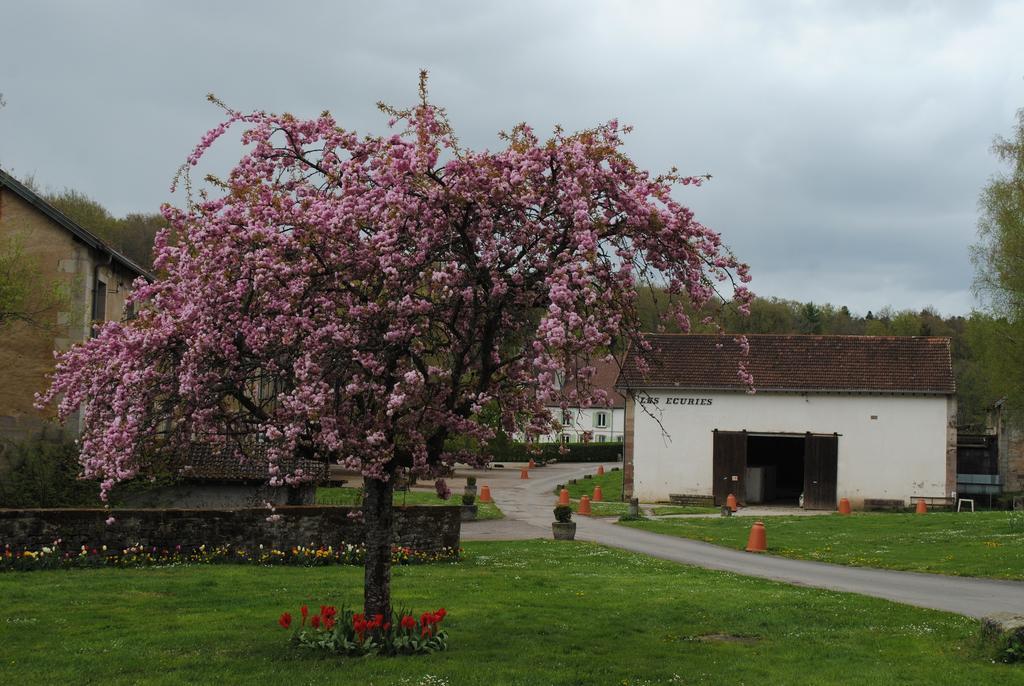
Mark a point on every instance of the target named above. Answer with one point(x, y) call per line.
point(998, 257)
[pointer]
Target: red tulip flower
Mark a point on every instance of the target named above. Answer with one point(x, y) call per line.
point(285, 620)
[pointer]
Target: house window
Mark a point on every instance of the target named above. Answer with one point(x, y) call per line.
point(99, 303)
point(601, 420)
point(601, 438)
point(566, 417)
point(565, 438)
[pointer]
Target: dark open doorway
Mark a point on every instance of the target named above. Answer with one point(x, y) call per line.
point(775, 469)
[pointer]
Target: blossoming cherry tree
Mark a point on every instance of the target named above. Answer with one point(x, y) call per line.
point(361, 300)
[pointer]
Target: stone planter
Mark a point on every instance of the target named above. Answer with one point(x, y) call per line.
point(564, 531)
point(468, 513)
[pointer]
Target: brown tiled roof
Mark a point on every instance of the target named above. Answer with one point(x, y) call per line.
point(605, 375)
point(604, 378)
point(213, 463)
point(876, 364)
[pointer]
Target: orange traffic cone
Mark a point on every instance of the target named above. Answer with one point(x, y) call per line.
point(563, 497)
point(524, 473)
point(844, 506)
point(921, 507)
point(532, 463)
point(600, 470)
point(485, 494)
point(758, 541)
point(731, 502)
point(584, 508)
point(598, 496)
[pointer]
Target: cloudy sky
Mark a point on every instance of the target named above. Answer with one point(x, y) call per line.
point(848, 141)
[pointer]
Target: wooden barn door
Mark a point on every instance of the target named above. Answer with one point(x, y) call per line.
point(730, 464)
point(821, 461)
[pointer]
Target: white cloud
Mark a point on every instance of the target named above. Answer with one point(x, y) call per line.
point(848, 140)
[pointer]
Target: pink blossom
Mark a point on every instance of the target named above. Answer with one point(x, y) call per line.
point(365, 300)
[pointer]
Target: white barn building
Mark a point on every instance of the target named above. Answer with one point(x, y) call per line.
point(860, 417)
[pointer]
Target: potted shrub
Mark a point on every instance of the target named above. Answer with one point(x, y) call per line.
point(468, 507)
point(563, 527)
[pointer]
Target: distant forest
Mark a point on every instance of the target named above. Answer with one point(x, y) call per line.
point(979, 357)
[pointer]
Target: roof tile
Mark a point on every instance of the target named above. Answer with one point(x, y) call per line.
point(215, 463)
point(877, 364)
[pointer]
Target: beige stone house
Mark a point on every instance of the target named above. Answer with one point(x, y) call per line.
point(96, 278)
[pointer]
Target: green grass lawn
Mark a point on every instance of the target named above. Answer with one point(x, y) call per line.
point(610, 483)
point(611, 491)
point(530, 612)
point(662, 510)
point(353, 496)
point(603, 509)
point(967, 544)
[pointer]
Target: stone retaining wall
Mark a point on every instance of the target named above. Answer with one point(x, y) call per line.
point(425, 528)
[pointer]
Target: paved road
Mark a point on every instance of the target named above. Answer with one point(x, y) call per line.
point(527, 506)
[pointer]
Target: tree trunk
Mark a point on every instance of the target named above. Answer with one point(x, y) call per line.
point(378, 520)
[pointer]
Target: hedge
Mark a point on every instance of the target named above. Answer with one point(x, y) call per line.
point(575, 452)
point(44, 473)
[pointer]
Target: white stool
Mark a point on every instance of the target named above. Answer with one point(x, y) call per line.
point(960, 503)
